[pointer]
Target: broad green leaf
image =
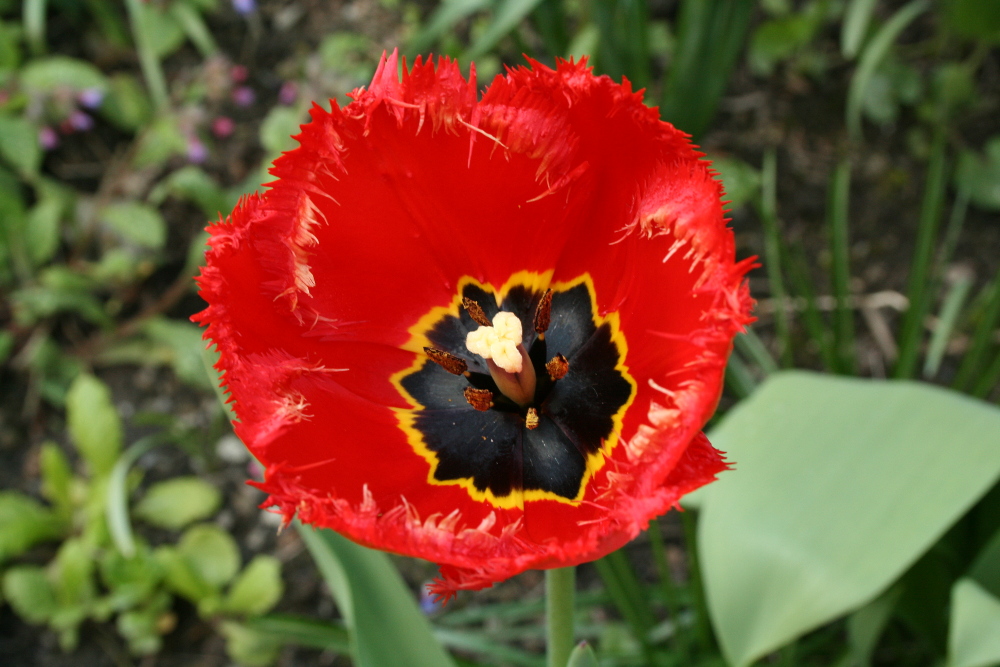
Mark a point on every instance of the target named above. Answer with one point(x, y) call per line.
point(159, 141)
point(49, 74)
point(164, 32)
point(57, 478)
point(974, 632)
point(985, 570)
point(93, 423)
point(211, 552)
point(257, 588)
point(19, 144)
point(73, 575)
point(23, 523)
point(839, 486)
point(139, 223)
point(376, 604)
point(30, 593)
point(177, 502)
point(181, 577)
point(130, 580)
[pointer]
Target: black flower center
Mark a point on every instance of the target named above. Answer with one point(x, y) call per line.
point(501, 445)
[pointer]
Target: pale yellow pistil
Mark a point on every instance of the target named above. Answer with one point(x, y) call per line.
point(510, 367)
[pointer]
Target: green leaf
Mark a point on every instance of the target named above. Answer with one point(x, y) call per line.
point(184, 343)
point(985, 570)
point(249, 648)
point(191, 183)
point(164, 32)
point(839, 486)
point(30, 593)
point(974, 19)
point(57, 477)
point(41, 234)
point(48, 75)
point(257, 588)
point(93, 423)
point(582, 656)
point(73, 579)
point(974, 632)
point(132, 581)
point(139, 223)
point(212, 554)
point(177, 502)
point(159, 141)
point(19, 144)
point(126, 103)
point(181, 577)
point(23, 523)
point(979, 175)
point(376, 604)
point(441, 21)
point(740, 181)
point(277, 129)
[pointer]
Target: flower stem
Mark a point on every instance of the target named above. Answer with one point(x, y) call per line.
point(560, 589)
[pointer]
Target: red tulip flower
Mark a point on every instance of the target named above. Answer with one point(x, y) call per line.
point(484, 332)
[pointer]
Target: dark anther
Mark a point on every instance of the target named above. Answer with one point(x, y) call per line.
point(476, 312)
point(543, 313)
point(557, 367)
point(480, 399)
point(449, 362)
point(531, 419)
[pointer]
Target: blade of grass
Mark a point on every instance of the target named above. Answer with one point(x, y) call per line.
point(767, 208)
point(626, 593)
point(152, 71)
point(703, 630)
point(194, 27)
point(550, 20)
point(669, 589)
point(34, 24)
point(975, 358)
point(857, 18)
point(950, 310)
point(989, 379)
point(508, 15)
point(624, 42)
point(917, 291)
point(475, 643)
point(739, 379)
point(710, 37)
point(816, 326)
point(116, 503)
point(752, 347)
point(303, 631)
point(839, 234)
point(956, 222)
point(442, 20)
point(873, 56)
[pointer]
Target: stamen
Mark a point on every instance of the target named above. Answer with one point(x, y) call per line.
point(557, 367)
point(475, 312)
point(480, 399)
point(543, 313)
point(449, 362)
point(531, 419)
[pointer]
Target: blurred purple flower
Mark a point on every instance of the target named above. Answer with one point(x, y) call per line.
point(80, 121)
point(429, 603)
point(288, 93)
point(196, 151)
point(90, 98)
point(244, 96)
point(47, 138)
point(244, 7)
point(223, 126)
